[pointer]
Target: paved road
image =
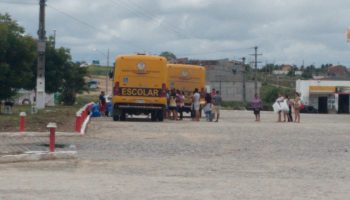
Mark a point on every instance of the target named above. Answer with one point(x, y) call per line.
point(233, 159)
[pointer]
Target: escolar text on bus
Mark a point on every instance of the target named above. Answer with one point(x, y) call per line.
point(148, 92)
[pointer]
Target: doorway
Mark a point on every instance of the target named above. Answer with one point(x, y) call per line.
point(323, 104)
point(343, 104)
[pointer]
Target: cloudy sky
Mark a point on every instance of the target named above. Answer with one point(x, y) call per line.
point(286, 31)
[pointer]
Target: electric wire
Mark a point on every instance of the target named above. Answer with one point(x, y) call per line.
point(151, 15)
point(17, 2)
point(74, 18)
point(144, 14)
point(136, 10)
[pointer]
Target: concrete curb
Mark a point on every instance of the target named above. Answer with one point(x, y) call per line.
point(38, 134)
point(85, 124)
point(38, 156)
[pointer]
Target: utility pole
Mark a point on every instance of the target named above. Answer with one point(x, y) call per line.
point(256, 68)
point(107, 75)
point(108, 57)
point(243, 80)
point(54, 39)
point(40, 77)
point(107, 63)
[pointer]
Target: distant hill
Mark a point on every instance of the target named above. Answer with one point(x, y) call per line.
point(99, 70)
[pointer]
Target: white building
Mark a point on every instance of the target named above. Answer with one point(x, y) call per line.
point(298, 73)
point(28, 97)
point(280, 72)
point(325, 95)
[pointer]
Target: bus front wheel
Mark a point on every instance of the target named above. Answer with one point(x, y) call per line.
point(161, 115)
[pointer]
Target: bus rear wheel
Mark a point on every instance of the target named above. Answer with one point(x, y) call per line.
point(122, 115)
point(116, 113)
point(154, 116)
point(115, 117)
point(161, 115)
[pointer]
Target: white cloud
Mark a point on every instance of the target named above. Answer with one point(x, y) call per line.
point(286, 31)
point(184, 4)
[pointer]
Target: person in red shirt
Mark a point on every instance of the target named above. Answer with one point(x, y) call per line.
point(102, 103)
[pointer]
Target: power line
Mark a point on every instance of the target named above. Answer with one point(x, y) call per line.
point(92, 27)
point(212, 52)
point(74, 18)
point(18, 2)
point(57, 10)
point(139, 11)
point(162, 23)
point(173, 28)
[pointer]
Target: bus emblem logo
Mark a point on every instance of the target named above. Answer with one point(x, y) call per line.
point(184, 73)
point(140, 66)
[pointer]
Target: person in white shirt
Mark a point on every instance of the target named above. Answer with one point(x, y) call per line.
point(196, 104)
point(280, 100)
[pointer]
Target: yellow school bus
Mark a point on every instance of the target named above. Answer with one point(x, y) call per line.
point(186, 78)
point(139, 86)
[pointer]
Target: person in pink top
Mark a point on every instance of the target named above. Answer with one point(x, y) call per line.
point(180, 102)
point(213, 93)
point(257, 106)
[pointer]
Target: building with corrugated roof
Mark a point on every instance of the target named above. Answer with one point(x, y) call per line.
point(226, 76)
point(327, 96)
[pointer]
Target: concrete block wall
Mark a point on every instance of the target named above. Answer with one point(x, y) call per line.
point(233, 91)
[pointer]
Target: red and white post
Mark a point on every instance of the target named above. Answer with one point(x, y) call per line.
point(52, 127)
point(81, 117)
point(78, 122)
point(22, 121)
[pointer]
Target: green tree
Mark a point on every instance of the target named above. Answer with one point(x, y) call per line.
point(168, 55)
point(270, 93)
point(73, 82)
point(308, 72)
point(291, 73)
point(18, 64)
point(17, 54)
point(61, 74)
point(269, 68)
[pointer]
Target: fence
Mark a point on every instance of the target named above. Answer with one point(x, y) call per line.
point(82, 118)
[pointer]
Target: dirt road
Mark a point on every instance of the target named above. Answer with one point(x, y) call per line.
point(233, 159)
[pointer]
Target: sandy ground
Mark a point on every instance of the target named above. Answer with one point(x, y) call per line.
point(233, 159)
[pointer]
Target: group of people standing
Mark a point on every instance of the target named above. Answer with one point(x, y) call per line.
point(285, 106)
point(176, 104)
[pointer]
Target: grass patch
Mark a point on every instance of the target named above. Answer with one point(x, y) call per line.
point(98, 70)
point(84, 99)
point(64, 116)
